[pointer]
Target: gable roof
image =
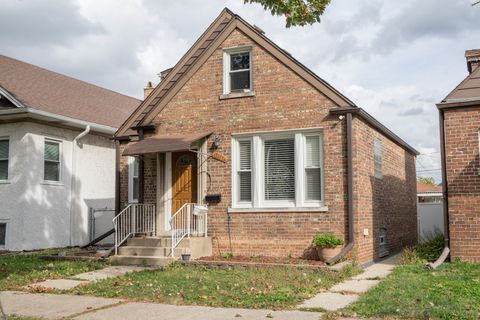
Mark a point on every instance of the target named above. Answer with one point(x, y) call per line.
point(33, 87)
point(208, 42)
point(466, 93)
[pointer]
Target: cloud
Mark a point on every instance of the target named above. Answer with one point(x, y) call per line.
point(42, 23)
point(426, 19)
point(411, 112)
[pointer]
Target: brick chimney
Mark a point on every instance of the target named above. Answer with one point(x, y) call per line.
point(148, 89)
point(473, 59)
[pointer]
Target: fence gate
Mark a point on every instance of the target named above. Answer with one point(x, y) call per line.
point(100, 221)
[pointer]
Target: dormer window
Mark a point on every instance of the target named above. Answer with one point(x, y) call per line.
point(238, 70)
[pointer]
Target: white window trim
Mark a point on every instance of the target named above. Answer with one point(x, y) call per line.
point(226, 68)
point(258, 201)
point(8, 159)
point(60, 162)
point(131, 169)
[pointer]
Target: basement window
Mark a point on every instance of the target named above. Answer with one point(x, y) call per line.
point(3, 234)
point(237, 71)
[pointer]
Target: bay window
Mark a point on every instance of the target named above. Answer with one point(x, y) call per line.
point(274, 170)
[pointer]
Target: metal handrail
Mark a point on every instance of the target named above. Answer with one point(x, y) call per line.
point(134, 219)
point(190, 219)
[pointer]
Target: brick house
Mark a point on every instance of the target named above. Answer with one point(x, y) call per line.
point(275, 153)
point(459, 136)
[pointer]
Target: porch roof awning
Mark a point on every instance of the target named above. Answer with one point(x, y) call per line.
point(164, 143)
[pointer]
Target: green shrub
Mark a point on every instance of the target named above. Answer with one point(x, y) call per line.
point(422, 252)
point(326, 240)
point(431, 249)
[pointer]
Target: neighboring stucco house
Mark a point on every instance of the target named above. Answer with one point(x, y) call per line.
point(57, 158)
point(459, 137)
point(275, 153)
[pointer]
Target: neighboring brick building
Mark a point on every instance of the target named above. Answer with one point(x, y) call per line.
point(460, 129)
point(280, 155)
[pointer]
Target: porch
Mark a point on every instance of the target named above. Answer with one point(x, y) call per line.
point(165, 215)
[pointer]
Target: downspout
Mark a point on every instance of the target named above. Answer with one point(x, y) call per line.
point(72, 180)
point(446, 222)
point(117, 177)
point(351, 236)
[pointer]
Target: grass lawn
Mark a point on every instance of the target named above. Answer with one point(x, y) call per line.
point(450, 292)
point(272, 287)
point(21, 269)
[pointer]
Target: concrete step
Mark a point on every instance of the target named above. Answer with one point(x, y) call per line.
point(149, 251)
point(141, 260)
point(156, 242)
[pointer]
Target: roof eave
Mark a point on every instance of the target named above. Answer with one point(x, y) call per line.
point(29, 113)
point(458, 103)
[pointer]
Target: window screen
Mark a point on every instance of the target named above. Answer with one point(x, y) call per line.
point(51, 161)
point(4, 154)
point(240, 71)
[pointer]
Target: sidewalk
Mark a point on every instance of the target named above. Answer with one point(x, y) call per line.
point(345, 293)
point(52, 306)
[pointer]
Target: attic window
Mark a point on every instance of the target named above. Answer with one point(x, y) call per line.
point(237, 70)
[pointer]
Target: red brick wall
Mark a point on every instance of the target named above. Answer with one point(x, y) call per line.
point(462, 166)
point(282, 100)
point(388, 202)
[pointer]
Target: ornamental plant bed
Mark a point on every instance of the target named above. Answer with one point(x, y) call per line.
point(263, 260)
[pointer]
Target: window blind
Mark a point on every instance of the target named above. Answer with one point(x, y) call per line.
point(52, 161)
point(312, 168)
point(4, 150)
point(280, 169)
point(245, 170)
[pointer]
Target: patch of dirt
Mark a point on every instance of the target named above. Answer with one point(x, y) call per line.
point(282, 260)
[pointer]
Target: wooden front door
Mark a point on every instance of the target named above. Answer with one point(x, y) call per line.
point(184, 179)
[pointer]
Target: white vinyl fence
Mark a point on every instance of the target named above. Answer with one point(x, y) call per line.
point(430, 220)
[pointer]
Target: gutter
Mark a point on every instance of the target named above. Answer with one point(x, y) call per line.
point(73, 197)
point(446, 232)
point(351, 205)
point(52, 117)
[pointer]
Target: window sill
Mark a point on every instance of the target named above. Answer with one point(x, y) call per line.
point(52, 183)
point(235, 95)
point(5, 182)
point(279, 210)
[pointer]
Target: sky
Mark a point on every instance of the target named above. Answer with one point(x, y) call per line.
point(395, 59)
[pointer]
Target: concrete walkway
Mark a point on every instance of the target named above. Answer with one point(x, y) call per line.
point(52, 306)
point(83, 278)
point(342, 294)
